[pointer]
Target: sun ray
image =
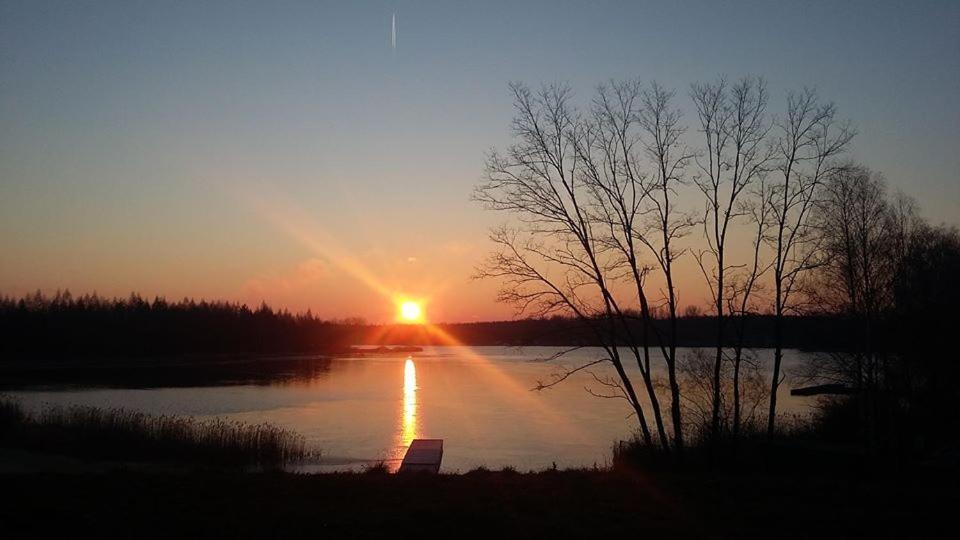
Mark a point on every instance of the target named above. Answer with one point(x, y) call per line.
point(523, 394)
point(292, 220)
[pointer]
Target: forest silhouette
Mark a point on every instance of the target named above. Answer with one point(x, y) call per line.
point(68, 327)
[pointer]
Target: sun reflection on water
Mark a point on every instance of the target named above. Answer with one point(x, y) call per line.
point(409, 429)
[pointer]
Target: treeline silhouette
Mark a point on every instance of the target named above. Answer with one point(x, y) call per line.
point(77, 326)
point(822, 332)
point(67, 326)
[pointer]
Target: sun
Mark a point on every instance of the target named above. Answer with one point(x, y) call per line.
point(411, 311)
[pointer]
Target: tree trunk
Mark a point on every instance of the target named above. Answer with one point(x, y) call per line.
point(718, 361)
point(736, 391)
point(777, 359)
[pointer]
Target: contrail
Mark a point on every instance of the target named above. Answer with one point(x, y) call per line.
point(393, 32)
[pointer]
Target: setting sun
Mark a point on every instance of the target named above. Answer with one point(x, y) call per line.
point(411, 311)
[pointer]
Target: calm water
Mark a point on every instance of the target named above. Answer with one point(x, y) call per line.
point(363, 410)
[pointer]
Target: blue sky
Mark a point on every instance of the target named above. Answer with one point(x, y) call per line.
point(139, 139)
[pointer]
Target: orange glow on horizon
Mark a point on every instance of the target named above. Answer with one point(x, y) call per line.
point(293, 220)
point(332, 258)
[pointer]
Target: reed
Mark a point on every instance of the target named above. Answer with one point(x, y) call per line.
point(135, 436)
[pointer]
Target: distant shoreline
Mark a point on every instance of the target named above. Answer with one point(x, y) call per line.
point(161, 371)
point(67, 326)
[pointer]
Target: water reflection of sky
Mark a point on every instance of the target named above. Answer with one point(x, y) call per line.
point(363, 410)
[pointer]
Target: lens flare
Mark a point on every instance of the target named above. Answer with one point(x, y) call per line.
point(411, 311)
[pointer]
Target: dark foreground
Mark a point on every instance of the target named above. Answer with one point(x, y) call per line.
point(584, 504)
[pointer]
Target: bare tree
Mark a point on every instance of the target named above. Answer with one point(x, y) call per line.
point(865, 235)
point(858, 227)
point(586, 212)
point(809, 139)
point(609, 149)
point(742, 290)
point(552, 261)
point(734, 126)
point(696, 370)
point(593, 195)
point(634, 124)
point(661, 138)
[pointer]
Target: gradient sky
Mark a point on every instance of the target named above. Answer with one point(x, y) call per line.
point(284, 151)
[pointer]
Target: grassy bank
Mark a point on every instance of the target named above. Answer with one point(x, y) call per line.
point(788, 492)
point(118, 434)
point(553, 504)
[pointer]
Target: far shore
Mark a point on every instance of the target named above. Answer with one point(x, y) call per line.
point(161, 371)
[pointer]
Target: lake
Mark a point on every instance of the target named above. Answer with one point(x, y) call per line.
point(362, 410)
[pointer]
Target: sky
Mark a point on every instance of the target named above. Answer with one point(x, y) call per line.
point(287, 152)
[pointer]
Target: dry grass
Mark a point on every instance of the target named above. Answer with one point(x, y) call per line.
point(134, 436)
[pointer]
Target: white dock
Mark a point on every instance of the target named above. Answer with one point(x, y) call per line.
point(423, 455)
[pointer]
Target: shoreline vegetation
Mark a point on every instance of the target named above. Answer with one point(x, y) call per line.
point(129, 437)
point(129, 468)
